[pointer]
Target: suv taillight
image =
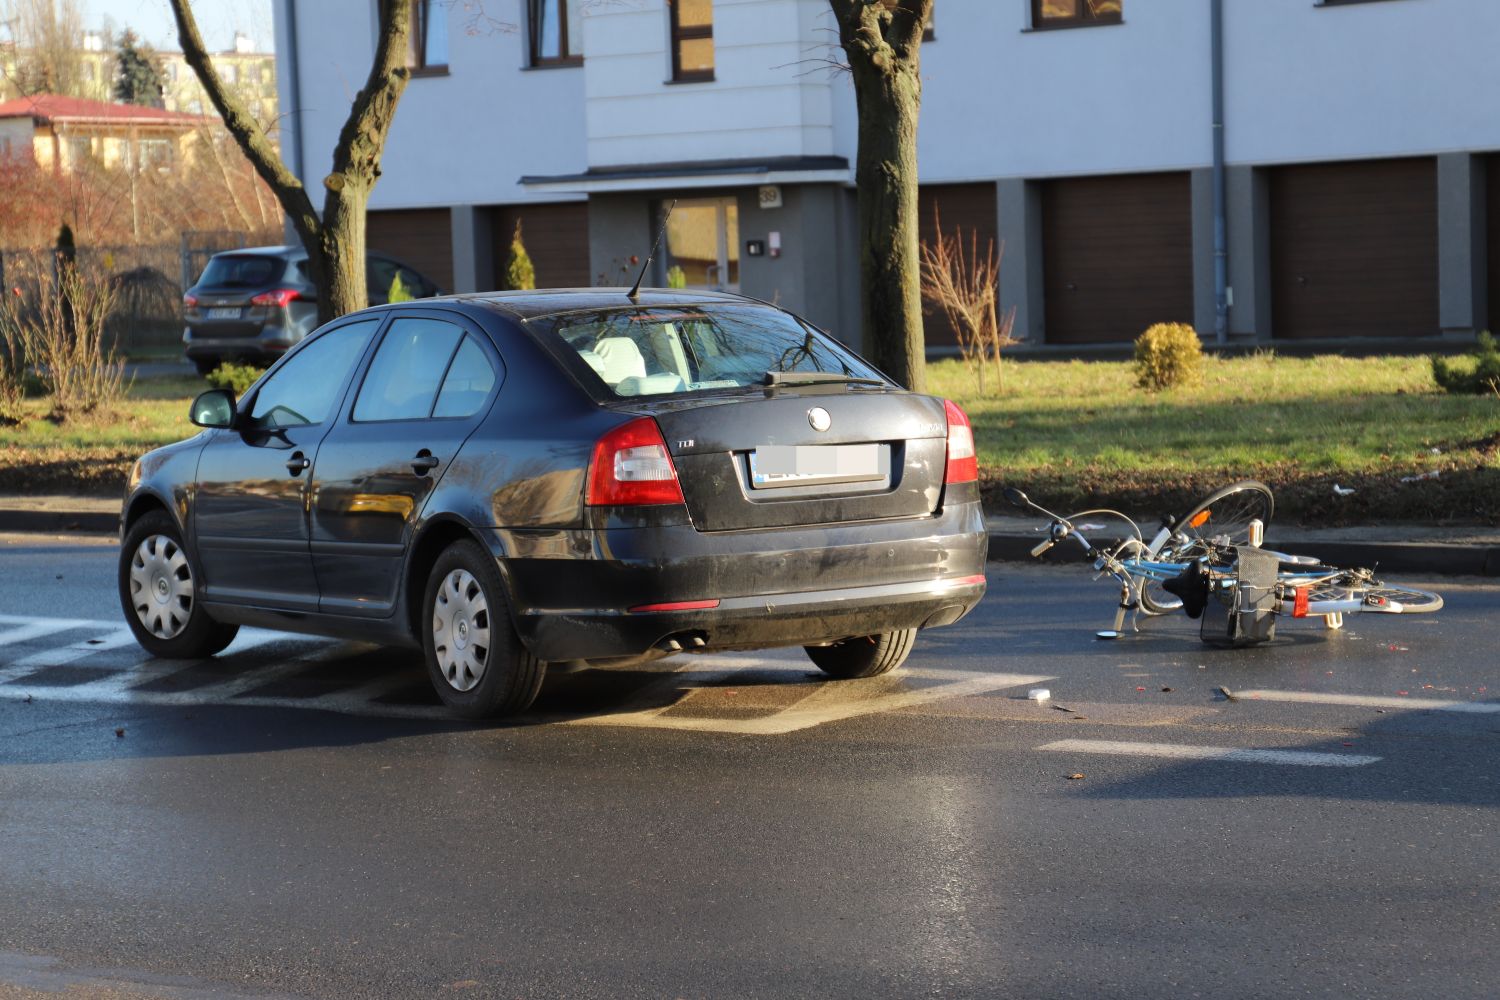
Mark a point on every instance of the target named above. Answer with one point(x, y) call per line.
point(631, 467)
point(190, 302)
point(280, 297)
point(963, 464)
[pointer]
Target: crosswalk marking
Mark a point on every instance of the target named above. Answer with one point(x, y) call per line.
point(1233, 755)
point(121, 636)
point(1371, 701)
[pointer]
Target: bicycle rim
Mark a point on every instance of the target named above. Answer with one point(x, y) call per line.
point(1226, 513)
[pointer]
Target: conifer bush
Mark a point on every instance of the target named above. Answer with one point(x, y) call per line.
point(519, 274)
point(1167, 355)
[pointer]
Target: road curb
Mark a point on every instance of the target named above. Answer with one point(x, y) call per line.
point(1437, 558)
point(59, 522)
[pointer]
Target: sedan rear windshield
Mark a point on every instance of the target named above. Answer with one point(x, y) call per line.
point(242, 271)
point(670, 351)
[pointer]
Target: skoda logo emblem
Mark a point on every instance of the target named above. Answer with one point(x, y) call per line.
point(819, 418)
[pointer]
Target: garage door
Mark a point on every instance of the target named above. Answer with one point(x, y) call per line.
point(1117, 255)
point(969, 209)
point(1492, 201)
point(422, 237)
point(556, 238)
point(1354, 249)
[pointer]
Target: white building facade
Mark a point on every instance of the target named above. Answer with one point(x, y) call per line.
point(1356, 178)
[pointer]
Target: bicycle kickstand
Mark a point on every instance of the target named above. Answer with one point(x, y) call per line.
point(1129, 603)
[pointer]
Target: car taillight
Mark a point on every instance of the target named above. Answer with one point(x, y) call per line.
point(190, 302)
point(280, 297)
point(963, 463)
point(631, 466)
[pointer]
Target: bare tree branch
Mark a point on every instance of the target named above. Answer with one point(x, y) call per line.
point(245, 129)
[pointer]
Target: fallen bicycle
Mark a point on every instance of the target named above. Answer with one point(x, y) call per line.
point(1210, 564)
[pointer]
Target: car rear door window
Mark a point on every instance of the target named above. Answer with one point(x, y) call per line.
point(403, 380)
point(241, 271)
point(468, 382)
point(304, 390)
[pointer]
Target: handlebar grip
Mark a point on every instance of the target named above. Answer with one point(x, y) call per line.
point(1041, 549)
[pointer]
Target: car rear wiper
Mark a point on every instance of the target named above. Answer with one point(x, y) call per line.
point(780, 380)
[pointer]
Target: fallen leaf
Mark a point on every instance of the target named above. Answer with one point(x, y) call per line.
point(1080, 718)
point(1402, 693)
point(1076, 776)
point(1166, 690)
point(1140, 689)
point(1228, 694)
point(119, 734)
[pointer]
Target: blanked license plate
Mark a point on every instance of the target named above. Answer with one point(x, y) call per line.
point(224, 312)
point(772, 466)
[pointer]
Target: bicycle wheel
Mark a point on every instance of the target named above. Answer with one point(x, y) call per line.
point(1226, 514)
point(1379, 597)
point(1156, 601)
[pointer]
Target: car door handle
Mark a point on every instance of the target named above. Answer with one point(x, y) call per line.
point(297, 463)
point(424, 463)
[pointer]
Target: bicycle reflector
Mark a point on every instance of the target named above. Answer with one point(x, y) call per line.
point(1200, 520)
point(1299, 602)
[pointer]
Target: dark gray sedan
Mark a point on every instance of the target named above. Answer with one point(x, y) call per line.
point(515, 479)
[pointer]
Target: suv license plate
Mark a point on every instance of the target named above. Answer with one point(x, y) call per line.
point(806, 465)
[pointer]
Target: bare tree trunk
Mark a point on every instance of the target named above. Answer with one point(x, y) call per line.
point(882, 39)
point(335, 241)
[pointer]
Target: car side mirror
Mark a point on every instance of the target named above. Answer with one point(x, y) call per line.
point(214, 408)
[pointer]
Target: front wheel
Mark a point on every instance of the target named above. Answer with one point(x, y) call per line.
point(863, 655)
point(1379, 597)
point(1223, 516)
point(475, 660)
point(159, 593)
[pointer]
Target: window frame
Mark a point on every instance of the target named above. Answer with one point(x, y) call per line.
point(1084, 19)
point(678, 35)
point(416, 50)
point(533, 33)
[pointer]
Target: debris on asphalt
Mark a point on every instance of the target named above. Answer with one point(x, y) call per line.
point(1403, 693)
point(1140, 689)
point(120, 734)
point(1230, 695)
point(1038, 694)
point(1399, 649)
point(28, 699)
point(1062, 708)
point(1166, 690)
point(1340, 491)
point(1076, 776)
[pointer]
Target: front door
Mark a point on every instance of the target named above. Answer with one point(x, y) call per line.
point(703, 244)
point(250, 513)
point(428, 385)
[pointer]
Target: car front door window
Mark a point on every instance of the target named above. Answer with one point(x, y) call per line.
point(304, 390)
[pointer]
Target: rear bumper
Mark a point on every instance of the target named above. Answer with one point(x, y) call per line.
point(788, 586)
point(270, 343)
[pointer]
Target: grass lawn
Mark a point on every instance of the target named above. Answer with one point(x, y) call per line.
point(94, 455)
point(1077, 432)
point(1072, 433)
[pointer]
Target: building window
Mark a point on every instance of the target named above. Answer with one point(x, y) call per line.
point(692, 40)
point(1075, 13)
point(556, 28)
point(429, 37)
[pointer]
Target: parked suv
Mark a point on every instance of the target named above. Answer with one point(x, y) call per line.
point(253, 304)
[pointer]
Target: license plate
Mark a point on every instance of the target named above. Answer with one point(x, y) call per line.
point(773, 466)
point(226, 312)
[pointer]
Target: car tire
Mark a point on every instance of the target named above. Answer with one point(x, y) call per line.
point(864, 655)
point(205, 365)
point(159, 593)
point(475, 660)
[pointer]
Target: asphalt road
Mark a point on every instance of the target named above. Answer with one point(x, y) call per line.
point(296, 818)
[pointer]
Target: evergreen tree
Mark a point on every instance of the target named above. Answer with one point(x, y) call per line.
point(519, 274)
point(137, 73)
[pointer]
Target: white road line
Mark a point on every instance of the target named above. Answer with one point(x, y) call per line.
point(1232, 755)
point(1372, 701)
point(35, 628)
point(75, 651)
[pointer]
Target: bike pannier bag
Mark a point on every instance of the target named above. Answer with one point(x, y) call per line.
point(1241, 611)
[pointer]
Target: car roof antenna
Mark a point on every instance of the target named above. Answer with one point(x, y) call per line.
point(635, 290)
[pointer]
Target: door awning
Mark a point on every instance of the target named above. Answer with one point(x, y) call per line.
point(698, 174)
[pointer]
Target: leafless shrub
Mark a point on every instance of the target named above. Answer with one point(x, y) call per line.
point(62, 336)
point(965, 286)
point(12, 364)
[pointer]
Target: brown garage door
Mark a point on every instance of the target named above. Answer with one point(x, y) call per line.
point(556, 238)
point(968, 210)
point(1354, 249)
point(1117, 255)
point(1492, 201)
point(422, 237)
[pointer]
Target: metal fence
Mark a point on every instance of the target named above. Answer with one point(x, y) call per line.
point(148, 281)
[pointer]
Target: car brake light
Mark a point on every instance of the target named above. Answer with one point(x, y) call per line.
point(190, 301)
point(963, 464)
point(631, 467)
point(280, 297)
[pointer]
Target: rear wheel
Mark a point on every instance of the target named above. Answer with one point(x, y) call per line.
point(864, 655)
point(1379, 597)
point(1223, 517)
point(475, 660)
point(159, 593)
point(205, 365)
